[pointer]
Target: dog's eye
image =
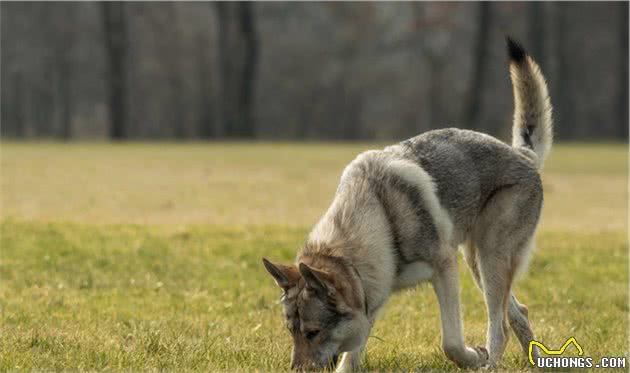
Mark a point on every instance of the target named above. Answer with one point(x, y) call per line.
point(311, 334)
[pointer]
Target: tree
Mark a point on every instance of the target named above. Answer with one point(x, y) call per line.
point(238, 59)
point(205, 95)
point(248, 74)
point(536, 15)
point(115, 29)
point(475, 92)
point(563, 95)
point(62, 35)
point(623, 66)
point(173, 69)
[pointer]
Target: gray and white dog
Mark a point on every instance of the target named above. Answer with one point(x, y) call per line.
point(398, 218)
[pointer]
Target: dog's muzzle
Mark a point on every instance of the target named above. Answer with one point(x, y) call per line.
point(332, 363)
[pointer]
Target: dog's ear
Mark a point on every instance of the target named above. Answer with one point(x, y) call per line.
point(285, 275)
point(316, 280)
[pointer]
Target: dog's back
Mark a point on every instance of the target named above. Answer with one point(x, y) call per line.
point(467, 168)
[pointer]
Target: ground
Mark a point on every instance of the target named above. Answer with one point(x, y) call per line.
point(147, 256)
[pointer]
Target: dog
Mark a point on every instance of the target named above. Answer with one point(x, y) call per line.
point(398, 218)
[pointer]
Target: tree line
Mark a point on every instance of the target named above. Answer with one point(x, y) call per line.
point(181, 70)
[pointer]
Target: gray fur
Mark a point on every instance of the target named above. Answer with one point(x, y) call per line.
point(397, 219)
point(468, 168)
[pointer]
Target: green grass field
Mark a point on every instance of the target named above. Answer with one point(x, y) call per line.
point(147, 257)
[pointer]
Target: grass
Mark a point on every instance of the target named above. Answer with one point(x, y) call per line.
point(147, 257)
point(267, 183)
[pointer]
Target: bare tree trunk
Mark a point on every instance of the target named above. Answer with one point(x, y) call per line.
point(225, 68)
point(238, 58)
point(352, 126)
point(473, 108)
point(177, 122)
point(536, 15)
point(623, 66)
point(205, 103)
point(62, 37)
point(20, 122)
point(116, 43)
point(65, 93)
point(248, 76)
point(565, 126)
point(436, 66)
point(63, 87)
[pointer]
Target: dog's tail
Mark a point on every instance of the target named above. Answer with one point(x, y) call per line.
point(533, 124)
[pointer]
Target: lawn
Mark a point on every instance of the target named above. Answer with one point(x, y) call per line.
point(147, 257)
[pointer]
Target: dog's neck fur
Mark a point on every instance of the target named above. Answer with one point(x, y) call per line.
point(352, 229)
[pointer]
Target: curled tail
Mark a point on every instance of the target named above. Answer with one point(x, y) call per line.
point(533, 124)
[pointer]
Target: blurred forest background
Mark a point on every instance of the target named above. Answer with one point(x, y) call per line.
point(278, 70)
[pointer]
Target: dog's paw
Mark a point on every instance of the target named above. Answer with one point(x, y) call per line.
point(482, 352)
point(535, 353)
point(483, 356)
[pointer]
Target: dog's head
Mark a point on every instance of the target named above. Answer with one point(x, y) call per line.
point(324, 312)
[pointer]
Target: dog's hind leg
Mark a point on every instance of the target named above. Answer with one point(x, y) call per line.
point(494, 280)
point(497, 279)
point(502, 237)
point(470, 254)
point(517, 312)
point(495, 294)
point(518, 316)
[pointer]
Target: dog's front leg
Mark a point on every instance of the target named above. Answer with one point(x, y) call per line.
point(350, 361)
point(446, 285)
